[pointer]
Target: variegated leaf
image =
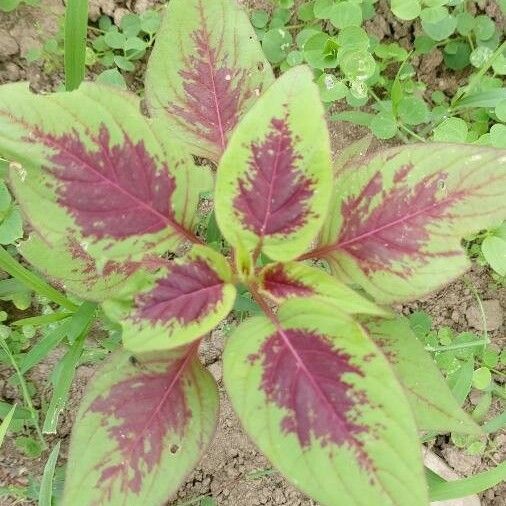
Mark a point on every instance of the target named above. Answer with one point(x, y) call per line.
point(206, 70)
point(274, 180)
point(177, 303)
point(69, 266)
point(397, 221)
point(89, 167)
point(323, 404)
point(141, 428)
point(280, 281)
point(432, 402)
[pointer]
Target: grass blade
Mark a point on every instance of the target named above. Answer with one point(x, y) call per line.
point(24, 389)
point(38, 321)
point(76, 26)
point(4, 426)
point(496, 424)
point(16, 270)
point(84, 317)
point(43, 347)
point(445, 490)
point(46, 485)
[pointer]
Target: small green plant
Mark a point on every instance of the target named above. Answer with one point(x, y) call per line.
point(120, 48)
point(354, 66)
point(468, 362)
point(489, 248)
point(331, 385)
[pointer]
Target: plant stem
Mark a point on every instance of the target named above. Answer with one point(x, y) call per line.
point(31, 280)
point(410, 132)
point(458, 346)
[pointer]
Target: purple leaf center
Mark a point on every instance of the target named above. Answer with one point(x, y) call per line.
point(187, 294)
point(274, 196)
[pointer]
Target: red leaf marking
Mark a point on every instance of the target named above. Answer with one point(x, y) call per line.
point(87, 266)
point(138, 413)
point(187, 294)
point(397, 227)
point(274, 195)
point(303, 374)
point(215, 93)
point(279, 284)
point(114, 191)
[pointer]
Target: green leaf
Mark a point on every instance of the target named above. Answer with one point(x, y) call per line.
point(412, 110)
point(323, 8)
point(259, 18)
point(280, 149)
point(456, 55)
point(346, 13)
point(489, 98)
point(482, 378)
point(446, 490)
point(276, 44)
point(320, 401)
point(11, 226)
point(206, 70)
point(484, 27)
point(451, 130)
point(176, 303)
point(356, 64)
point(115, 39)
point(64, 144)
point(465, 23)
point(46, 484)
point(150, 22)
point(494, 251)
point(130, 25)
point(500, 110)
point(76, 26)
point(432, 402)
point(438, 23)
point(4, 426)
point(498, 136)
point(123, 63)
point(67, 368)
point(320, 51)
point(406, 9)
point(112, 77)
point(331, 89)
point(396, 221)
point(384, 126)
point(281, 281)
point(140, 421)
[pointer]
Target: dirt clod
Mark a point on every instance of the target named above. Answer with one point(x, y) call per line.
point(493, 315)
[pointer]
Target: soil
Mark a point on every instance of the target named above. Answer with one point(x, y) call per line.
point(233, 472)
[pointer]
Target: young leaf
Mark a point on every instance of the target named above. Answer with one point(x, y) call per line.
point(281, 281)
point(68, 264)
point(397, 221)
point(207, 69)
point(89, 166)
point(323, 404)
point(177, 303)
point(141, 427)
point(432, 402)
point(274, 180)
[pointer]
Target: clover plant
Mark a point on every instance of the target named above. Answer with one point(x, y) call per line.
point(355, 67)
point(332, 386)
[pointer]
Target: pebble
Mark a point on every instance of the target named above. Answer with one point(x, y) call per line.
point(8, 45)
point(493, 315)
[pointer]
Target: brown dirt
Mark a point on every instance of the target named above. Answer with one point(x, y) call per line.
point(233, 471)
